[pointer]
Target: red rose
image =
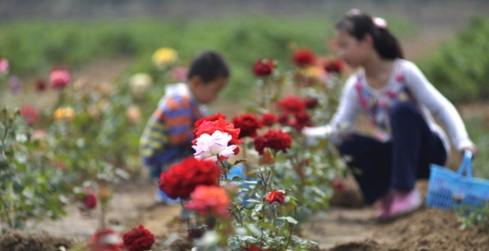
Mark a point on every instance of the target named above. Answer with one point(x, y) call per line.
point(335, 66)
point(310, 102)
point(291, 104)
point(283, 119)
point(303, 57)
point(276, 140)
point(211, 118)
point(210, 201)
point(216, 123)
point(90, 201)
point(254, 247)
point(29, 113)
point(260, 143)
point(40, 85)
point(180, 180)
point(269, 119)
point(105, 240)
point(302, 119)
point(138, 239)
point(248, 124)
point(276, 196)
point(263, 67)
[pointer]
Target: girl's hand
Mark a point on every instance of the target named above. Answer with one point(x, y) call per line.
point(319, 132)
point(472, 149)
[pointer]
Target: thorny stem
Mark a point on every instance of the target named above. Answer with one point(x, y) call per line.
point(291, 230)
point(239, 218)
point(265, 185)
point(263, 96)
point(7, 127)
point(223, 167)
point(269, 94)
point(244, 150)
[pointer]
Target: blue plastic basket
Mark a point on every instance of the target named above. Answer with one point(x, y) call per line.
point(447, 189)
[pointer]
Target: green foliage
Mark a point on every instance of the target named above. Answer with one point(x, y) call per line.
point(479, 133)
point(34, 46)
point(90, 135)
point(459, 67)
point(30, 184)
point(472, 216)
point(290, 176)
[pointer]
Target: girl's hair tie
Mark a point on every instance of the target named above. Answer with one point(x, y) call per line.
point(379, 22)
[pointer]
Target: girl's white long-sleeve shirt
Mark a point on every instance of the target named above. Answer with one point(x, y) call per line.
point(407, 82)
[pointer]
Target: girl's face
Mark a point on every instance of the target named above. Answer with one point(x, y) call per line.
point(354, 52)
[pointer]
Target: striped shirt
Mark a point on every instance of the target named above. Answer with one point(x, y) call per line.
point(168, 133)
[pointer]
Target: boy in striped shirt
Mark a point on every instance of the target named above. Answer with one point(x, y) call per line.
point(168, 134)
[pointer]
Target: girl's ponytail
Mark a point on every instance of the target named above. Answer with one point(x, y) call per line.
point(387, 45)
point(359, 24)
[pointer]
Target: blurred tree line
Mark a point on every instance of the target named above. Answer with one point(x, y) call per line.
point(62, 9)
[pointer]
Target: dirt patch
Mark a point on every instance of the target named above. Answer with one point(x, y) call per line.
point(427, 229)
point(431, 229)
point(23, 241)
point(368, 245)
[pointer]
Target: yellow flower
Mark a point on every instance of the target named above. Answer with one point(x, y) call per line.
point(67, 114)
point(313, 71)
point(164, 56)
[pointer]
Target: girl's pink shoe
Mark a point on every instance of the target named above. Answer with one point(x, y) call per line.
point(403, 203)
point(385, 205)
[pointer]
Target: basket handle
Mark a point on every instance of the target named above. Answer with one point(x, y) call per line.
point(466, 165)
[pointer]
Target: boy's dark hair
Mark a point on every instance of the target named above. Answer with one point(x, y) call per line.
point(209, 65)
point(359, 24)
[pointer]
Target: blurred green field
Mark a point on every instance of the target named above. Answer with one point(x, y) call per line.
point(459, 67)
point(479, 133)
point(32, 47)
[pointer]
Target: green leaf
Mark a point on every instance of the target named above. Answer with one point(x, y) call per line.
point(185, 214)
point(265, 225)
point(289, 219)
point(253, 201)
point(17, 186)
point(258, 207)
point(250, 145)
point(280, 222)
point(251, 109)
point(240, 161)
point(255, 230)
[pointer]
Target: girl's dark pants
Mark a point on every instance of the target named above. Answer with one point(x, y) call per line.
point(379, 166)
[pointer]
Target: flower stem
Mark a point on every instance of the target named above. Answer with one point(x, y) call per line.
point(244, 150)
point(102, 217)
point(223, 167)
point(291, 229)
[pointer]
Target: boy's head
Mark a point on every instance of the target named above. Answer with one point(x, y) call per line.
point(207, 75)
